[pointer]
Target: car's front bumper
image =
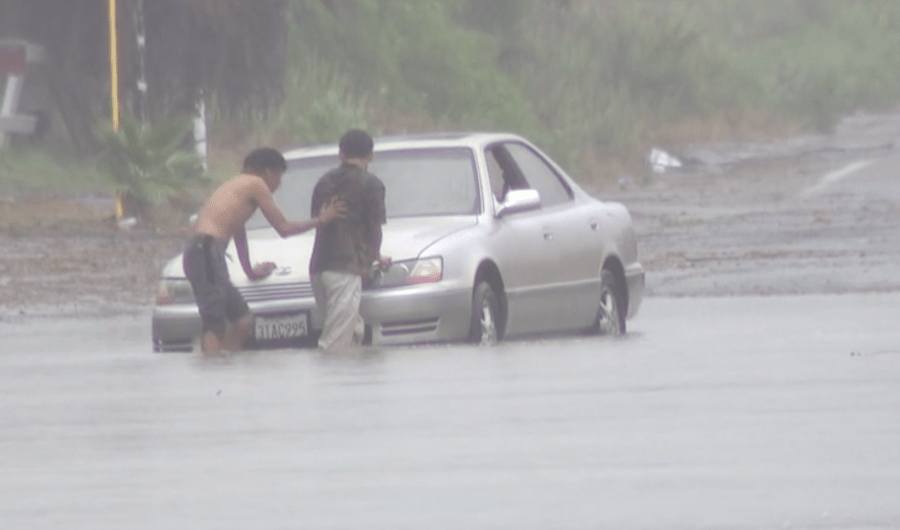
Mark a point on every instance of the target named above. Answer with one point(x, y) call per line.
point(406, 315)
point(634, 282)
point(175, 328)
point(417, 314)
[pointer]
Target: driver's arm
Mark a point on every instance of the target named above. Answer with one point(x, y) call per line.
point(263, 197)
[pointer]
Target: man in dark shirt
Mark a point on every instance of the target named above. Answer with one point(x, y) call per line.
point(346, 250)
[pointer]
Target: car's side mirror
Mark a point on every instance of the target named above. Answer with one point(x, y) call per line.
point(517, 201)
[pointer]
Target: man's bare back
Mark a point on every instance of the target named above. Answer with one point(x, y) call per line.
point(229, 207)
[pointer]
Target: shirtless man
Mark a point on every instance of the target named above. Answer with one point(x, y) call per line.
point(221, 219)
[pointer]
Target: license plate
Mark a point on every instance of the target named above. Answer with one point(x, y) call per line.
point(282, 327)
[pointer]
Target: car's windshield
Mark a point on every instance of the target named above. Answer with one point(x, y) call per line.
point(417, 182)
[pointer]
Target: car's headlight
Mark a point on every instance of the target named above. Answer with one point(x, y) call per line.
point(410, 272)
point(174, 291)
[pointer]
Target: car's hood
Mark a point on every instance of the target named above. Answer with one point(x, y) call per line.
point(403, 238)
point(407, 237)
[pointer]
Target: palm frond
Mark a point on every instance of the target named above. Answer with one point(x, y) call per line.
point(149, 163)
point(167, 134)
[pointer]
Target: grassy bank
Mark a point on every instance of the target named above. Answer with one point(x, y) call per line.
point(594, 82)
point(32, 170)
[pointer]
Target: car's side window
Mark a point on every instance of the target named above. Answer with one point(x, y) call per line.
point(495, 174)
point(540, 175)
point(502, 172)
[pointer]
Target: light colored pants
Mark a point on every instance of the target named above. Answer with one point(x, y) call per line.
point(338, 294)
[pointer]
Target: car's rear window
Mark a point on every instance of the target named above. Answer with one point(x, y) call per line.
point(418, 182)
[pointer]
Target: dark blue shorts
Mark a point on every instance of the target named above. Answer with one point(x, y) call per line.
point(218, 300)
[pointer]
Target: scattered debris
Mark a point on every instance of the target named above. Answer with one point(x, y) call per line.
point(128, 223)
point(662, 162)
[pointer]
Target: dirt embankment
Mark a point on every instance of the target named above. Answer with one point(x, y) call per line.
point(817, 214)
point(740, 220)
point(757, 231)
point(67, 257)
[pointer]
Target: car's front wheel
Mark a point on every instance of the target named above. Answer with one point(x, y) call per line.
point(486, 327)
point(611, 313)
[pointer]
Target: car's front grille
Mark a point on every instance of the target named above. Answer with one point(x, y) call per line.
point(277, 291)
point(184, 346)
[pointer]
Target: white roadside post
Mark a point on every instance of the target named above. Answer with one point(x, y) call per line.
point(201, 144)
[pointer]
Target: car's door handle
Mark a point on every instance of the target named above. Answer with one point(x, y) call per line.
point(595, 224)
point(548, 235)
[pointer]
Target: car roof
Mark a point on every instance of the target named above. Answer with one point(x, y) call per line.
point(413, 141)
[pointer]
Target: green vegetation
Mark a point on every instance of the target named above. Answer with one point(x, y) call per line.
point(588, 80)
point(810, 61)
point(148, 164)
point(28, 170)
point(391, 67)
point(594, 82)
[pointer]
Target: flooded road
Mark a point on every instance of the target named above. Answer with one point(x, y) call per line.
point(715, 413)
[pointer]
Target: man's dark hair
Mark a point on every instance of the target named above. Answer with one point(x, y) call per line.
point(356, 143)
point(264, 158)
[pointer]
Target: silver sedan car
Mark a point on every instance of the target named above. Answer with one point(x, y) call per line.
point(489, 239)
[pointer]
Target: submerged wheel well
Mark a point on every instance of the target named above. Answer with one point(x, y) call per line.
point(489, 272)
point(613, 265)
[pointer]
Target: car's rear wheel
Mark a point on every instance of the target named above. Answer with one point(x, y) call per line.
point(611, 313)
point(486, 327)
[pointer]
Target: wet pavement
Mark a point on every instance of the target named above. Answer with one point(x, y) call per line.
point(814, 225)
point(714, 413)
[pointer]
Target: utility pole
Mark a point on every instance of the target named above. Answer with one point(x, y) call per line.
point(114, 64)
point(114, 88)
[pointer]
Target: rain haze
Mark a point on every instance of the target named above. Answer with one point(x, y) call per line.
point(754, 145)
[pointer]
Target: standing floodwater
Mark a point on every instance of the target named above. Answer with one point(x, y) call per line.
point(714, 413)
